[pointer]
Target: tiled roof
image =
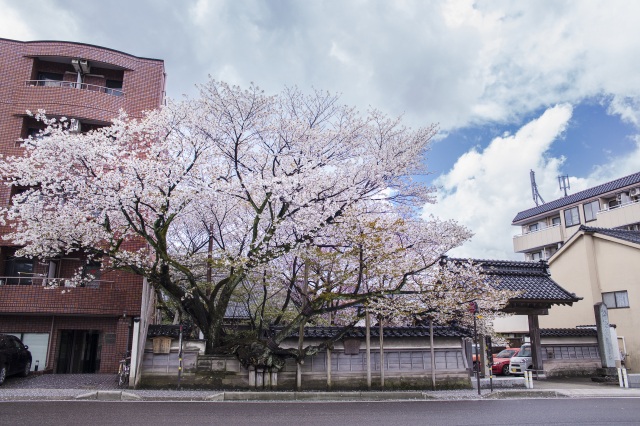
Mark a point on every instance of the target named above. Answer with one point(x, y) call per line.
point(236, 311)
point(360, 332)
point(622, 234)
point(531, 279)
point(568, 332)
point(579, 196)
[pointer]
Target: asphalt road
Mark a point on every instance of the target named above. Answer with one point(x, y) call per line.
point(519, 412)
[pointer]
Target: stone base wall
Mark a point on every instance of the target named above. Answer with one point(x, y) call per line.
point(566, 367)
point(218, 372)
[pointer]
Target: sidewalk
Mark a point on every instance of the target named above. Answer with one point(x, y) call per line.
point(103, 387)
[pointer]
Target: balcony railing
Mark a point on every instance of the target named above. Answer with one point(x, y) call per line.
point(39, 280)
point(541, 238)
point(620, 215)
point(539, 229)
point(74, 85)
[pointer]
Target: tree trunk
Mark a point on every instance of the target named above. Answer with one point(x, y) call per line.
point(217, 310)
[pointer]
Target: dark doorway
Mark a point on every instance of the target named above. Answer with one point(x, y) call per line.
point(79, 352)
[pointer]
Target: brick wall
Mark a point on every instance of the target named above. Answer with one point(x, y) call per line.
point(33, 308)
point(143, 87)
point(111, 350)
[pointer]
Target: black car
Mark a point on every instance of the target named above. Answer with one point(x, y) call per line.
point(15, 357)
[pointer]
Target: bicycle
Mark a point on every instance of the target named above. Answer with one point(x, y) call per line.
point(123, 370)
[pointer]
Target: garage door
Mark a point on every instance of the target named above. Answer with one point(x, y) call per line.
point(38, 343)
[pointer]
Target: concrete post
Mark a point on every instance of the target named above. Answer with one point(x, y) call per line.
point(607, 356)
point(252, 377)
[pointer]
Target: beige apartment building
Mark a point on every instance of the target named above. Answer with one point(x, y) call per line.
point(601, 265)
point(545, 228)
point(591, 240)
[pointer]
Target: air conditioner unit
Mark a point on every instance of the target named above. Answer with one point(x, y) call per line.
point(84, 66)
point(634, 192)
point(75, 126)
point(81, 65)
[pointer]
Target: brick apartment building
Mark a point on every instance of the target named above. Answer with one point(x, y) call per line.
point(69, 329)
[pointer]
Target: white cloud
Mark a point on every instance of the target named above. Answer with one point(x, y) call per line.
point(29, 20)
point(486, 188)
point(11, 23)
point(457, 62)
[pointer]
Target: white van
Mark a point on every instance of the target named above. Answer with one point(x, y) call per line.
point(521, 362)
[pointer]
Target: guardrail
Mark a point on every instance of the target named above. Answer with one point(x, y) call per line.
point(38, 280)
point(540, 229)
point(74, 85)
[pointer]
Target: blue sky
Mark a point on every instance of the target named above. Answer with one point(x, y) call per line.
point(548, 85)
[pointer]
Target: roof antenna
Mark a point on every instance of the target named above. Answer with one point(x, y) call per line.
point(563, 181)
point(537, 198)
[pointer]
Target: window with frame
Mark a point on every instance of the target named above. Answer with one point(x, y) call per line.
point(555, 221)
point(92, 272)
point(533, 227)
point(536, 255)
point(616, 299)
point(19, 270)
point(571, 217)
point(591, 210)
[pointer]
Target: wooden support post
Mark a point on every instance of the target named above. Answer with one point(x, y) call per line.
point(381, 331)
point(433, 356)
point(301, 328)
point(367, 322)
point(329, 384)
point(536, 349)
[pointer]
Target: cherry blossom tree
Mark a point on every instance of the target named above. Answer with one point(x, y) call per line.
point(236, 186)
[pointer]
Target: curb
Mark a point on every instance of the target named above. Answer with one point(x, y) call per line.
point(531, 393)
point(319, 396)
point(291, 396)
point(109, 396)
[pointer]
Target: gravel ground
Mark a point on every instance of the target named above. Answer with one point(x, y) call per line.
point(62, 381)
point(67, 386)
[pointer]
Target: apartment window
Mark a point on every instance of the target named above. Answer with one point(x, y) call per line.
point(591, 210)
point(533, 227)
point(92, 272)
point(616, 299)
point(18, 191)
point(571, 217)
point(50, 79)
point(536, 255)
point(555, 221)
point(19, 270)
point(114, 87)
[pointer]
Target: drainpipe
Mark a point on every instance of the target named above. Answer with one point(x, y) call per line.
point(134, 352)
point(49, 343)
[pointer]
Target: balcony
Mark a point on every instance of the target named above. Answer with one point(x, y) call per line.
point(41, 280)
point(70, 99)
point(74, 85)
point(540, 238)
point(625, 214)
point(37, 294)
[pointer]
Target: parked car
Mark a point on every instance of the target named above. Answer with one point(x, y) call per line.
point(15, 357)
point(501, 361)
point(521, 362)
point(474, 356)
